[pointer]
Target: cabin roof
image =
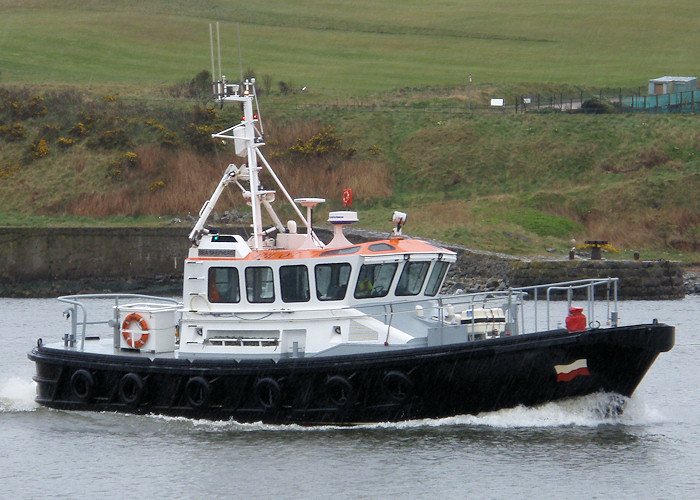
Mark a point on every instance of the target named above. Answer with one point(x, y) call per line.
point(393, 246)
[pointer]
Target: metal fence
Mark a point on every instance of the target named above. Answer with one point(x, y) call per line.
point(610, 101)
point(679, 102)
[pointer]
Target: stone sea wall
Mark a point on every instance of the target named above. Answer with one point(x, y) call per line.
point(486, 271)
point(40, 262)
point(47, 262)
point(657, 280)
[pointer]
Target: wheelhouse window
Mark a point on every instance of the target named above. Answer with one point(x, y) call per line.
point(259, 285)
point(374, 280)
point(223, 285)
point(332, 280)
point(412, 278)
point(294, 283)
point(436, 276)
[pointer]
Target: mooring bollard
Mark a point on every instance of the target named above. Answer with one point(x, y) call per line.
point(596, 248)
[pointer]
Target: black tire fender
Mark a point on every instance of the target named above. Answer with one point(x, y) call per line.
point(198, 392)
point(339, 391)
point(398, 386)
point(132, 389)
point(268, 393)
point(82, 385)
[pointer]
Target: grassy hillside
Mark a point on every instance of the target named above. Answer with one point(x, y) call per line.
point(357, 47)
point(514, 183)
point(96, 122)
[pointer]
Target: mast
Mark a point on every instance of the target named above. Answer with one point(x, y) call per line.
point(246, 141)
point(247, 138)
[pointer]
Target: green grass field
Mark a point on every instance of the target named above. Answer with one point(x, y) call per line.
point(497, 181)
point(351, 48)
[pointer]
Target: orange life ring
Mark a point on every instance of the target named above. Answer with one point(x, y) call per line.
point(136, 344)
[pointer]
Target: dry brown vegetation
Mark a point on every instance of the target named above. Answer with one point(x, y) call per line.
point(176, 182)
point(324, 174)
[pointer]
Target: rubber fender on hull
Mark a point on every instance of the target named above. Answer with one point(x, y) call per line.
point(268, 393)
point(339, 391)
point(131, 389)
point(82, 385)
point(398, 386)
point(198, 392)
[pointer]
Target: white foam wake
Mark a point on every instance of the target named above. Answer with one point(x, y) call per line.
point(587, 411)
point(17, 394)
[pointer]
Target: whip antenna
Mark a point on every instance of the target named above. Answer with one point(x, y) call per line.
point(240, 58)
point(211, 47)
point(218, 44)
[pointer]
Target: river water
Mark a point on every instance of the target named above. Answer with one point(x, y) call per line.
point(568, 449)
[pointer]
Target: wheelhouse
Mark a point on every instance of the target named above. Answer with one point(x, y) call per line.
point(354, 275)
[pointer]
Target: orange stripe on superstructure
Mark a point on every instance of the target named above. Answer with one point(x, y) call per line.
point(412, 246)
point(282, 254)
point(401, 246)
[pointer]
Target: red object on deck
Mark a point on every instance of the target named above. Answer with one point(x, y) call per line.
point(347, 197)
point(576, 320)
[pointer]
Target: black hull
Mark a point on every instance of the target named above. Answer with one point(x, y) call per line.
point(411, 384)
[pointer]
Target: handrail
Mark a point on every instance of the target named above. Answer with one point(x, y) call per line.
point(71, 299)
point(509, 300)
point(570, 286)
point(445, 306)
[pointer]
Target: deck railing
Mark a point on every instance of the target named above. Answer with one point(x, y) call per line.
point(512, 301)
point(446, 308)
point(69, 339)
point(570, 288)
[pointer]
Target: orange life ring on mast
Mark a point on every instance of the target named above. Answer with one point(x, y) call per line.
point(134, 317)
point(347, 197)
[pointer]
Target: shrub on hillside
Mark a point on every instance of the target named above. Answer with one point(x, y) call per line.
point(35, 108)
point(19, 104)
point(110, 139)
point(155, 186)
point(323, 143)
point(78, 130)
point(65, 142)
point(203, 114)
point(198, 87)
point(88, 119)
point(50, 132)
point(169, 140)
point(117, 169)
point(199, 137)
point(38, 149)
point(15, 133)
point(131, 159)
point(597, 107)
point(267, 83)
point(9, 170)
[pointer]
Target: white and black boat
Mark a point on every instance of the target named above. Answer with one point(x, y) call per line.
point(283, 328)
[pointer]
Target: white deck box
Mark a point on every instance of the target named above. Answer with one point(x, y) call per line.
point(151, 327)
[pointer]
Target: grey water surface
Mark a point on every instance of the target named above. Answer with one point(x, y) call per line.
point(571, 449)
